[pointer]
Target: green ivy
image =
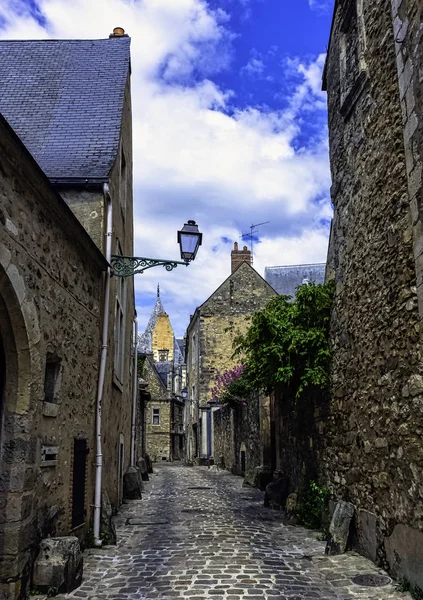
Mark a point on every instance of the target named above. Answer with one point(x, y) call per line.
point(310, 508)
point(288, 342)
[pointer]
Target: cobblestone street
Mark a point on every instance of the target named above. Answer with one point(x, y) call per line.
point(198, 534)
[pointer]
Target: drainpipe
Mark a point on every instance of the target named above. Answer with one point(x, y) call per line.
point(134, 394)
point(102, 372)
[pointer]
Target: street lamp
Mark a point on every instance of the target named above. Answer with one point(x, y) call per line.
point(189, 240)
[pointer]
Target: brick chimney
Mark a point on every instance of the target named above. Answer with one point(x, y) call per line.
point(240, 256)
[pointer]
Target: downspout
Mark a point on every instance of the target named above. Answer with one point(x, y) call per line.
point(134, 394)
point(102, 372)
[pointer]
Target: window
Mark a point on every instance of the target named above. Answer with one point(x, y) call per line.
point(353, 74)
point(51, 378)
point(119, 358)
point(163, 355)
point(156, 416)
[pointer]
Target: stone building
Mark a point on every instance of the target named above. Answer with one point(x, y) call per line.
point(372, 451)
point(164, 371)
point(209, 344)
point(65, 188)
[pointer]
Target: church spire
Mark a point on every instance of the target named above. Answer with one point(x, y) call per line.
point(158, 290)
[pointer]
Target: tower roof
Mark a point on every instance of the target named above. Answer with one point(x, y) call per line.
point(145, 340)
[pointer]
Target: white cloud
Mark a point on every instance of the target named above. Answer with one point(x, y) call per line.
point(321, 5)
point(196, 154)
point(254, 67)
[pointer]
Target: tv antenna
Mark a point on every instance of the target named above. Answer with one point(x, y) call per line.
point(250, 236)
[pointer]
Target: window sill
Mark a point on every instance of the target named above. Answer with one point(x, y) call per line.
point(50, 409)
point(350, 100)
point(48, 463)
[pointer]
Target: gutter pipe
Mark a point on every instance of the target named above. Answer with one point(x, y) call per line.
point(134, 393)
point(102, 371)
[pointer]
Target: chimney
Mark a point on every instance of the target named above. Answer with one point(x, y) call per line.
point(240, 256)
point(118, 32)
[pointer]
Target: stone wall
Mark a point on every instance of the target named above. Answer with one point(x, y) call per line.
point(373, 455)
point(158, 437)
point(51, 288)
point(237, 436)
point(297, 424)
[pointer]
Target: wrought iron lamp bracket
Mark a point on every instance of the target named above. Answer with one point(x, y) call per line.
point(125, 266)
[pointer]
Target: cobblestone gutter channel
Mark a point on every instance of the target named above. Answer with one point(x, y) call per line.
point(198, 534)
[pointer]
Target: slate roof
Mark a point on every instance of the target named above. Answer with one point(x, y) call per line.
point(145, 340)
point(285, 279)
point(64, 99)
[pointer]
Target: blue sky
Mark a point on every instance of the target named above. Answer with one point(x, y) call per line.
point(229, 128)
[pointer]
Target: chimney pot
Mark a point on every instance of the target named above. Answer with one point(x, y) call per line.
point(240, 256)
point(118, 32)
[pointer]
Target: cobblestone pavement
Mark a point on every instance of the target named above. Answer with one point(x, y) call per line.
point(197, 534)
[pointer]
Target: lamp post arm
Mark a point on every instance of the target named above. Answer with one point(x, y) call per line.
point(126, 266)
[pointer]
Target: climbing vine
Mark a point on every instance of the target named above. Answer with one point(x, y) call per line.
point(288, 342)
point(229, 389)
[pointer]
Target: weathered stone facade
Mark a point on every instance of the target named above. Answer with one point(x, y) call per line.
point(164, 417)
point(52, 288)
point(50, 306)
point(373, 455)
point(237, 443)
point(209, 349)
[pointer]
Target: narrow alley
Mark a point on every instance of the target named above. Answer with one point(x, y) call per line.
point(197, 533)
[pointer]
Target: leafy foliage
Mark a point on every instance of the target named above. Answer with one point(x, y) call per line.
point(230, 388)
point(288, 342)
point(310, 508)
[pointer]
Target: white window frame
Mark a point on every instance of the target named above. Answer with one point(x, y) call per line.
point(157, 411)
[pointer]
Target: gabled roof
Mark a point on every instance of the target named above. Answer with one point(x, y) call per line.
point(238, 270)
point(243, 265)
point(64, 98)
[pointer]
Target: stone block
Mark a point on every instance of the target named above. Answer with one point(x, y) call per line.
point(59, 565)
point(107, 527)
point(50, 409)
point(142, 466)
point(251, 478)
point(339, 528)
point(277, 492)
point(265, 476)
point(367, 534)
point(404, 553)
point(132, 485)
point(291, 505)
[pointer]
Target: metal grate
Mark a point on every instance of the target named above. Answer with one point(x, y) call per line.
point(371, 580)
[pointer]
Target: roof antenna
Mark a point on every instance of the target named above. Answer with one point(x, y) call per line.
point(250, 236)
